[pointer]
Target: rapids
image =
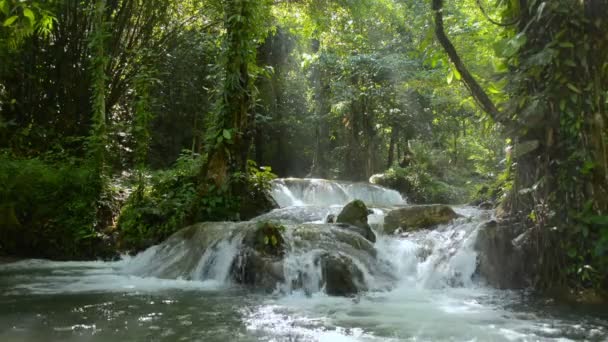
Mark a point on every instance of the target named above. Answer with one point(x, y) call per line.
point(419, 287)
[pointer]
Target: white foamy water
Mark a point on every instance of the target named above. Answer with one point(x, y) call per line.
point(320, 192)
point(420, 286)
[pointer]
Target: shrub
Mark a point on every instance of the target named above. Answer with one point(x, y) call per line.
point(170, 200)
point(48, 210)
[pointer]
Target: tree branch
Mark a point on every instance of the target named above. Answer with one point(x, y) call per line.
point(480, 96)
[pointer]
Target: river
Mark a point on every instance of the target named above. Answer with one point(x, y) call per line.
point(428, 291)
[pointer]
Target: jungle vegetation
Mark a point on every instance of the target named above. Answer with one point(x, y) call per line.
point(122, 121)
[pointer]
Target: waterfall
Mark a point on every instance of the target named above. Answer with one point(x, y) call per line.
point(428, 259)
point(320, 192)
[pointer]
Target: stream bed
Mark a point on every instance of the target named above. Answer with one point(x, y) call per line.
point(435, 297)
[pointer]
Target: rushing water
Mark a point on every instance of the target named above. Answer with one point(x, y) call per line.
point(421, 288)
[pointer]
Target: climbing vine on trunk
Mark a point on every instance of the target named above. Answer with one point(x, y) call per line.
point(230, 142)
point(558, 78)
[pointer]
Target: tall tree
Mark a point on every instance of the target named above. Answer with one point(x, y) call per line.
point(230, 144)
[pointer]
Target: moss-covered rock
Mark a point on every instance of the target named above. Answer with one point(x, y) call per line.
point(354, 217)
point(418, 217)
point(268, 239)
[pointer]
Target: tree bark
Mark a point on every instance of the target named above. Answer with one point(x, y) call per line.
point(480, 96)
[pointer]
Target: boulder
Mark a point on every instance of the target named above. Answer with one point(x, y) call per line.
point(486, 206)
point(354, 217)
point(260, 261)
point(258, 270)
point(502, 258)
point(256, 203)
point(341, 277)
point(418, 217)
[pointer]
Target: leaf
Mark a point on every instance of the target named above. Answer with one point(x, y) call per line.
point(10, 21)
point(598, 220)
point(227, 135)
point(450, 77)
point(573, 88)
point(566, 45)
point(28, 13)
point(4, 7)
point(457, 75)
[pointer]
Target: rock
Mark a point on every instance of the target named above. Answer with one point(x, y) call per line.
point(257, 270)
point(299, 214)
point(341, 277)
point(267, 239)
point(502, 260)
point(354, 217)
point(256, 203)
point(418, 217)
point(260, 261)
point(486, 206)
point(329, 237)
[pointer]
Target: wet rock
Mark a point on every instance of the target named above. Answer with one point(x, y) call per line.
point(256, 203)
point(341, 277)
point(354, 217)
point(260, 261)
point(332, 237)
point(255, 269)
point(502, 258)
point(299, 214)
point(486, 206)
point(418, 217)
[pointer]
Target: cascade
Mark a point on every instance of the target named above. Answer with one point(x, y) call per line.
point(329, 284)
point(428, 259)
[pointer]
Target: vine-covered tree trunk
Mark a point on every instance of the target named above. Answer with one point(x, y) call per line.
point(561, 165)
point(230, 146)
point(559, 84)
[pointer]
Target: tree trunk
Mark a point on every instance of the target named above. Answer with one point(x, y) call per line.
point(230, 148)
point(391, 147)
point(469, 81)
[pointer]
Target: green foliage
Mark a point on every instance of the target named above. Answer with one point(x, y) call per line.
point(48, 210)
point(433, 176)
point(260, 178)
point(163, 206)
point(171, 200)
point(20, 19)
point(559, 87)
point(269, 238)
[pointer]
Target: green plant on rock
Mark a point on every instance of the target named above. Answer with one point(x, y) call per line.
point(269, 239)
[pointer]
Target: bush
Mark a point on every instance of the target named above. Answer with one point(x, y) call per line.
point(171, 200)
point(422, 187)
point(48, 210)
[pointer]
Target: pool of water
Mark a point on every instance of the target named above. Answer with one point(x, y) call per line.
point(96, 301)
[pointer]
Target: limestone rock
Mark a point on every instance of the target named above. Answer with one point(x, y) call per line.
point(341, 277)
point(418, 217)
point(502, 260)
point(354, 217)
